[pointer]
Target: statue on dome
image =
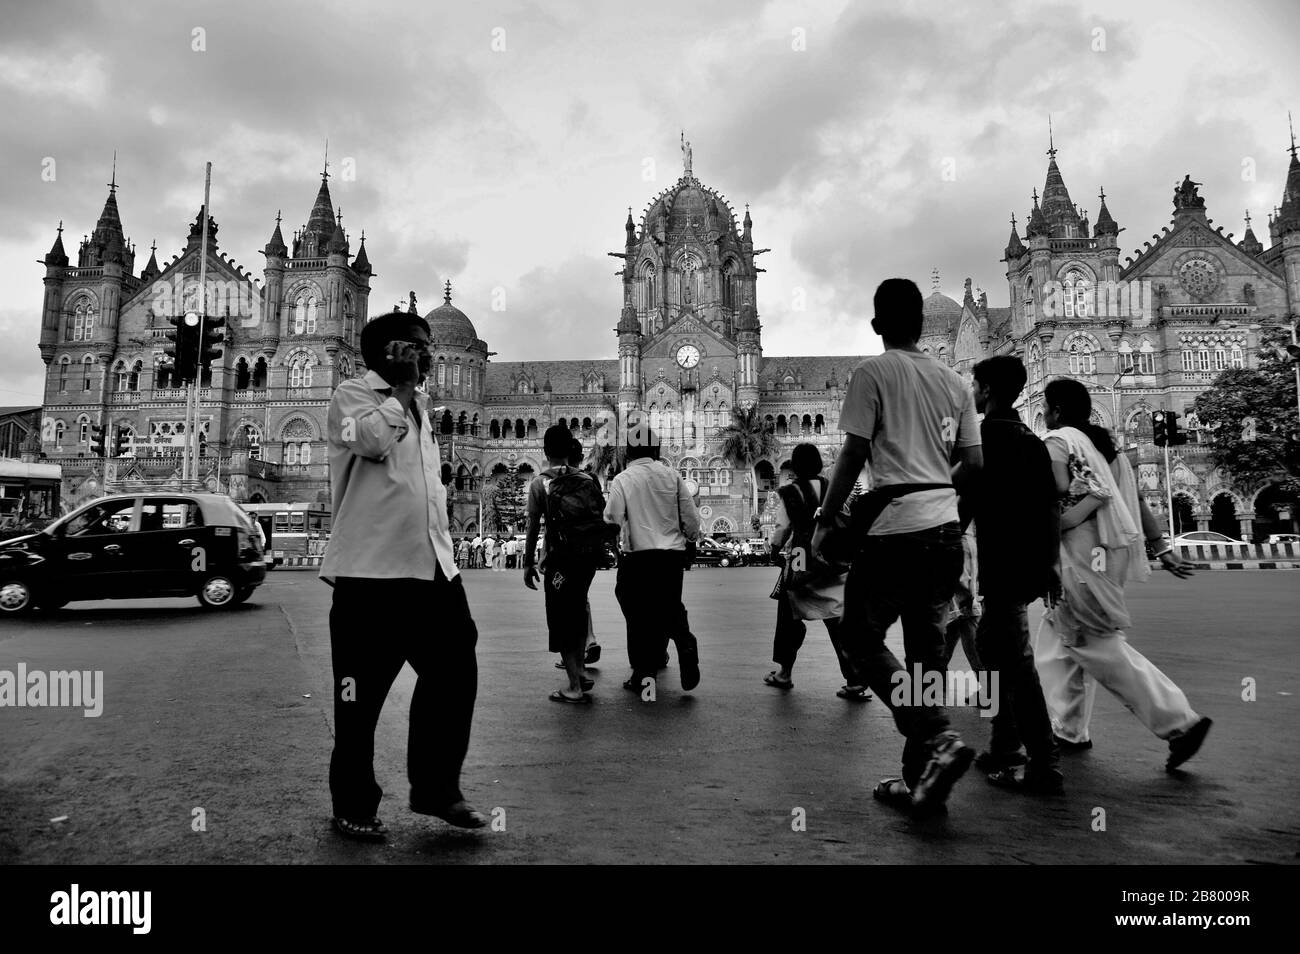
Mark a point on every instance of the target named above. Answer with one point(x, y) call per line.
point(411, 306)
point(686, 155)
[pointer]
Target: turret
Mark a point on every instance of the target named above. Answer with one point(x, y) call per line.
point(273, 288)
point(1249, 244)
point(55, 261)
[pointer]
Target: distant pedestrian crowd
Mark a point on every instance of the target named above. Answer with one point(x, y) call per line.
point(928, 516)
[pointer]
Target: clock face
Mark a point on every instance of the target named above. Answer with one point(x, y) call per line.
point(688, 356)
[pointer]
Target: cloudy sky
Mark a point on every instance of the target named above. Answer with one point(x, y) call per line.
point(499, 145)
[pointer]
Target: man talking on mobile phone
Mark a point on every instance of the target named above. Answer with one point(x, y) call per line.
point(398, 596)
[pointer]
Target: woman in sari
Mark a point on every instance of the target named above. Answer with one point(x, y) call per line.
point(1081, 640)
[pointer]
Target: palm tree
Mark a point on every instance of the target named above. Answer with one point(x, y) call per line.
point(746, 441)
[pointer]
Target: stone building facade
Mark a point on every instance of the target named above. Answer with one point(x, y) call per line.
point(1148, 333)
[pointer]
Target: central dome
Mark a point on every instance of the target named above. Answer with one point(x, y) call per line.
point(941, 315)
point(690, 203)
point(448, 325)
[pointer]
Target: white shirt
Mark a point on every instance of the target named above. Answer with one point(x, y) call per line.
point(390, 508)
point(652, 505)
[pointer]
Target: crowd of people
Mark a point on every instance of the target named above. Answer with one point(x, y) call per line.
point(963, 524)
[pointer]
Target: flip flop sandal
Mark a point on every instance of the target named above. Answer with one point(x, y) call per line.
point(854, 692)
point(893, 791)
point(771, 680)
point(372, 830)
point(558, 696)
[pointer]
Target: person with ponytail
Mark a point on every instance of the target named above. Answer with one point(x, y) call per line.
point(1081, 640)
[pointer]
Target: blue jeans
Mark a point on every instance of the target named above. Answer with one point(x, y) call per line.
point(912, 576)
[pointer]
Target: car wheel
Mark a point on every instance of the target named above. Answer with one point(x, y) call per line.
point(16, 597)
point(217, 592)
point(725, 561)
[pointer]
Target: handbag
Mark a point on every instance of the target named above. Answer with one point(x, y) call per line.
point(848, 533)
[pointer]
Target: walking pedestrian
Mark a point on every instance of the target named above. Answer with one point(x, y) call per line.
point(1081, 641)
point(573, 507)
point(657, 517)
point(592, 649)
point(914, 418)
point(390, 552)
point(1013, 504)
point(462, 553)
point(806, 589)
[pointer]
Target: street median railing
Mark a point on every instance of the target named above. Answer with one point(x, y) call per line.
point(1243, 556)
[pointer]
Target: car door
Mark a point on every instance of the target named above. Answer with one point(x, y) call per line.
point(171, 533)
point(91, 554)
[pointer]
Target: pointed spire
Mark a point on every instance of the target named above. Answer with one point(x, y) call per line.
point(968, 299)
point(1037, 222)
point(1105, 224)
point(1015, 247)
point(151, 267)
point(748, 223)
point(1249, 244)
point(630, 227)
point(338, 244)
point(321, 223)
point(1288, 217)
point(276, 246)
point(934, 280)
point(1058, 210)
point(446, 293)
point(56, 256)
point(361, 264)
point(1051, 146)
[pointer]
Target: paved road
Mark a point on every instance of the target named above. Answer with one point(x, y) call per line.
point(230, 713)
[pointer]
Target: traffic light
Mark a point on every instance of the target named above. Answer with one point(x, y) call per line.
point(97, 441)
point(1159, 430)
point(214, 340)
point(182, 347)
point(1171, 430)
point(119, 441)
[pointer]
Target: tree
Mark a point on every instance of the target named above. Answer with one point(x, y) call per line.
point(1249, 416)
point(746, 440)
point(508, 502)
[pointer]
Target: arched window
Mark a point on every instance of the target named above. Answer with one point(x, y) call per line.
point(259, 373)
point(349, 319)
point(1077, 292)
point(83, 320)
point(532, 428)
point(520, 430)
point(87, 372)
point(254, 436)
point(133, 380)
point(1029, 299)
point(1138, 428)
point(455, 376)
point(1238, 358)
point(819, 424)
point(523, 387)
point(462, 423)
point(242, 374)
point(1082, 359)
point(1124, 357)
point(648, 296)
point(64, 363)
point(120, 376)
point(1203, 359)
point(1040, 425)
point(445, 424)
point(1146, 358)
point(1220, 359)
point(59, 429)
point(83, 429)
point(300, 372)
point(494, 430)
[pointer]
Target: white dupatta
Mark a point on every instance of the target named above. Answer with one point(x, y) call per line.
point(1118, 526)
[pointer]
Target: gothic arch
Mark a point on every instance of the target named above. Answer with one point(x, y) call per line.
point(1075, 265)
point(308, 285)
point(298, 427)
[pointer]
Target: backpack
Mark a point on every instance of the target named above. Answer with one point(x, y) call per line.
point(575, 515)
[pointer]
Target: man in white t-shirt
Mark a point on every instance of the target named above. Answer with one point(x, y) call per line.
point(913, 419)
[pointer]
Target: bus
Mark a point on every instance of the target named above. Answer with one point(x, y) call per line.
point(293, 529)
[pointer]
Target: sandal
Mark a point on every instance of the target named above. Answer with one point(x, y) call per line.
point(772, 680)
point(559, 696)
point(854, 692)
point(893, 791)
point(372, 830)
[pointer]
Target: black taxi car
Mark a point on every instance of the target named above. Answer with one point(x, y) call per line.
point(130, 546)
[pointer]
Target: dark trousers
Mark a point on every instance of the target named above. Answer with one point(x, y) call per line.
point(912, 576)
point(1003, 640)
point(790, 633)
point(370, 639)
point(566, 581)
point(649, 591)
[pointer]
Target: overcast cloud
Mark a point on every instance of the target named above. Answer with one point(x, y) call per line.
point(510, 170)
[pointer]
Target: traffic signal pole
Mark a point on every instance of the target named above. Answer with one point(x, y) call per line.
point(1169, 497)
